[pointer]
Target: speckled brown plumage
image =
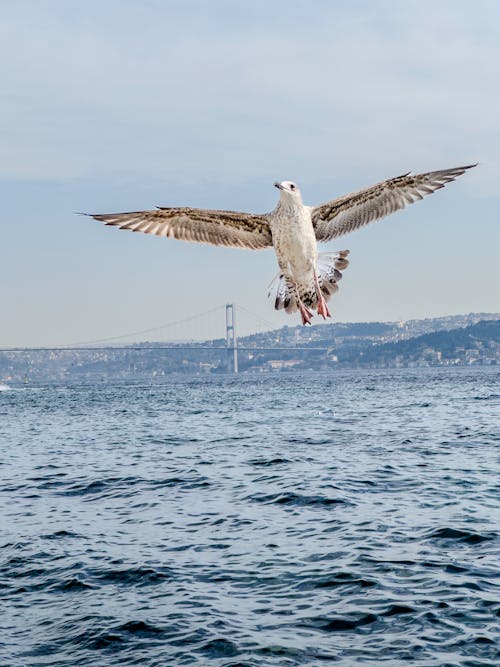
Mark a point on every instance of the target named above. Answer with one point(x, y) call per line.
point(305, 281)
point(350, 212)
point(229, 228)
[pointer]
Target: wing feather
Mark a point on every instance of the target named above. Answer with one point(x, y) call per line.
point(350, 212)
point(227, 228)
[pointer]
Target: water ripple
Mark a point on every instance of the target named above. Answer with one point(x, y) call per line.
point(252, 522)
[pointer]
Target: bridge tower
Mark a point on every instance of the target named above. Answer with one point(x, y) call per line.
point(231, 341)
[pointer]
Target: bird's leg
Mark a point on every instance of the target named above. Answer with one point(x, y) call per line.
point(304, 311)
point(322, 307)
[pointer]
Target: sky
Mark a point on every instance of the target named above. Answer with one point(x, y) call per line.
point(128, 104)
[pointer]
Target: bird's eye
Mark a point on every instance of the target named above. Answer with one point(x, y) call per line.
point(292, 186)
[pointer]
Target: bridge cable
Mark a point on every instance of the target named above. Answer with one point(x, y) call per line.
point(142, 331)
point(259, 319)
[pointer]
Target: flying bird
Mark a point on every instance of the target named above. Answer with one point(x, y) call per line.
point(306, 279)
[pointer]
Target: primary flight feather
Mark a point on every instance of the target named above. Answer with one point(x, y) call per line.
point(306, 279)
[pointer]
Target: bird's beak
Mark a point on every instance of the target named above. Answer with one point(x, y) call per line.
point(278, 185)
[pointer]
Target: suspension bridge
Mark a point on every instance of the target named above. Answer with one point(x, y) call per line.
point(182, 335)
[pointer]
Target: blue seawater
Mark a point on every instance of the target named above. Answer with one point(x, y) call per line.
point(308, 519)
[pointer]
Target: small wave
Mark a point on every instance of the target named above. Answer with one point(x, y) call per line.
point(186, 482)
point(280, 651)
point(398, 610)
point(310, 441)
point(490, 397)
point(123, 486)
point(220, 648)
point(299, 656)
point(460, 535)
point(140, 629)
point(296, 499)
point(338, 624)
point(165, 440)
point(98, 642)
point(97, 486)
point(60, 534)
point(50, 586)
point(229, 438)
point(344, 579)
point(142, 576)
point(72, 585)
point(269, 462)
point(455, 569)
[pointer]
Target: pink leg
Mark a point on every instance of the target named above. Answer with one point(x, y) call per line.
point(322, 307)
point(305, 313)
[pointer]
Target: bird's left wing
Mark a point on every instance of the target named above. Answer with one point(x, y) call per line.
point(345, 214)
point(229, 228)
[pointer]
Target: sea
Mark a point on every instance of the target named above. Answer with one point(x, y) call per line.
point(345, 517)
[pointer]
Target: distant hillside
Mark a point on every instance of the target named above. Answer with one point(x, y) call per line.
point(467, 344)
point(457, 340)
point(341, 332)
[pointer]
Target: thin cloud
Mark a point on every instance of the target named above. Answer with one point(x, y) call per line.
point(88, 101)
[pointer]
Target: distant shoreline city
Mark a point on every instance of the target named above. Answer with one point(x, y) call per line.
point(458, 340)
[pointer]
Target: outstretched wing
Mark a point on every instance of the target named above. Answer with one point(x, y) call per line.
point(229, 228)
point(348, 213)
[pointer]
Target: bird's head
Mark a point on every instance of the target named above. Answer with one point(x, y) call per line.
point(289, 191)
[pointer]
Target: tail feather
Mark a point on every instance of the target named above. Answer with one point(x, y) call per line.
point(330, 267)
point(329, 271)
point(285, 294)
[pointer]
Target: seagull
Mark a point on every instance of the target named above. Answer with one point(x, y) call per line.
point(306, 279)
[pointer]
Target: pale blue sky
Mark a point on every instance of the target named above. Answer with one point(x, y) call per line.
point(124, 105)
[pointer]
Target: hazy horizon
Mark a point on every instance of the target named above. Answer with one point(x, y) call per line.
point(166, 335)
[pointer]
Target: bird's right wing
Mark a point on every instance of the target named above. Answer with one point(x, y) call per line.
point(345, 214)
point(229, 228)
